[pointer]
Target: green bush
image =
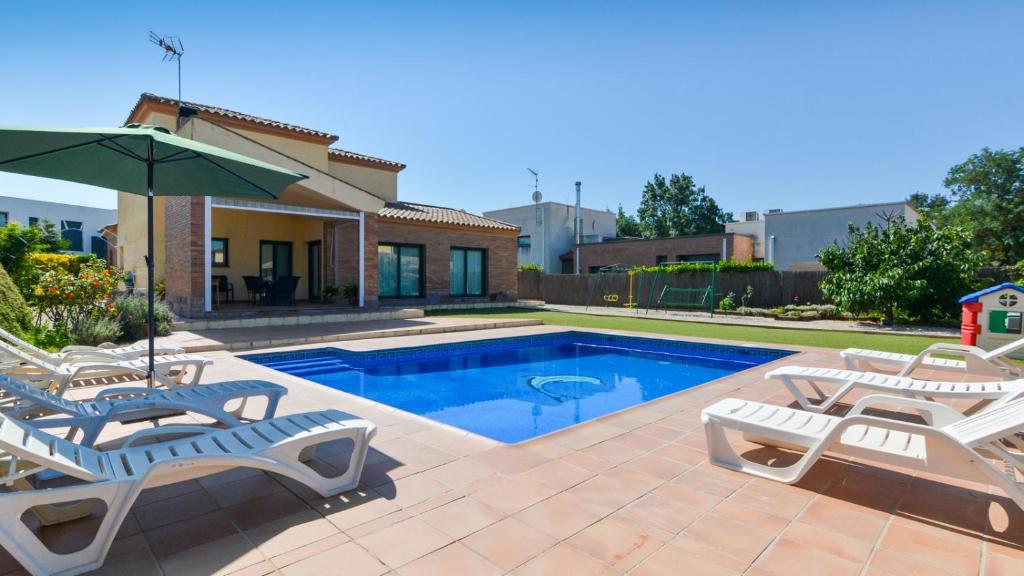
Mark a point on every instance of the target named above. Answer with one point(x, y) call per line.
point(727, 266)
point(827, 311)
point(15, 315)
point(96, 330)
point(750, 311)
point(47, 338)
point(536, 267)
point(133, 313)
point(728, 303)
point(1017, 272)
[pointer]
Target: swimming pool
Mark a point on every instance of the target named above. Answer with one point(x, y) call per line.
point(514, 389)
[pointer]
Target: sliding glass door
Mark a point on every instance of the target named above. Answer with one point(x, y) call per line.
point(275, 260)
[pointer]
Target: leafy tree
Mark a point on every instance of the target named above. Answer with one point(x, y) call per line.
point(626, 225)
point(931, 206)
point(677, 207)
point(17, 242)
point(15, 315)
point(989, 189)
point(919, 271)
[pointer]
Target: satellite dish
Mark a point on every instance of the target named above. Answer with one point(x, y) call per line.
point(537, 197)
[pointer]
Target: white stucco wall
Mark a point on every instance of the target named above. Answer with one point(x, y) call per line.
point(92, 219)
point(754, 229)
point(793, 239)
point(556, 235)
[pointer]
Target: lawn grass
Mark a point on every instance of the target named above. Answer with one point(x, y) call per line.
point(825, 339)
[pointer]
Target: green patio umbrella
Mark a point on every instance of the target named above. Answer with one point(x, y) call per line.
point(145, 160)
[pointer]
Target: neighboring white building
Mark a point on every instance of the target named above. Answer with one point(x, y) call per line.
point(792, 240)
point(547, 232)
point(80, 225)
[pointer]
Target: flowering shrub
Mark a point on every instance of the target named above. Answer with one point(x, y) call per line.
point(70, 300)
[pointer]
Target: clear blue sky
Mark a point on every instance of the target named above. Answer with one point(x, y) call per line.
point(768, 104)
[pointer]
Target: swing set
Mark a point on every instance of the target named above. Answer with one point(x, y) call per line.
point(668, 298)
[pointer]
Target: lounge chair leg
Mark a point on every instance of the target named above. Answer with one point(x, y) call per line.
point(721, 453)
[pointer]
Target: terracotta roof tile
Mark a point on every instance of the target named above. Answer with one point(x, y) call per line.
point(440, 215)
point(224, 112)
point(363, 158)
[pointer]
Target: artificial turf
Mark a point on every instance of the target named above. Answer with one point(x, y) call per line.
point(827, 339)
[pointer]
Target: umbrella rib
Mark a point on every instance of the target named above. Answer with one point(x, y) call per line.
point(121, 150)
point(240, 177)
point(178, 153)
point(63, 149)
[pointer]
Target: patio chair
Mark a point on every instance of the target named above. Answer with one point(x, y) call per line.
point(967, 359)
point(224, 288)
point(170, 370)
point(282, 293)
point(952, 445)
point(850, 380)
point(282, 446)
point(253, 288)
point(69, 354)
point(123, 404)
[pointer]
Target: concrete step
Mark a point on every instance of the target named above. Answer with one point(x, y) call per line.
point(302, 317)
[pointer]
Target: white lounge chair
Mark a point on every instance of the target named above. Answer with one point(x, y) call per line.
point(171, 369)
point(77, 353)
point(952, 445)
point(280, 445)
point(45, 410)
point(966, 359)
point(847, 381)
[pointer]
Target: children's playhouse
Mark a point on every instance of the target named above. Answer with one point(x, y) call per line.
point(993, 317)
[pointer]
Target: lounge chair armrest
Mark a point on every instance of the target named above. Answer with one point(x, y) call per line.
point(173, 429)
point(67, 349)
point(133, 390)
point(936, 414)
point(942, 348)
point(79, 356)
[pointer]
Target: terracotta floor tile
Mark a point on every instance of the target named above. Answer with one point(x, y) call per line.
point(828, 542)
point(462, 517)
point(509, 543)
point(712, 480)
point(260, 511)
point(512, 495)
point(737, 540)
point(791, 557)
point(174, 509)
point(404, 542)
point(174, 538)
point(308, 550)
point(660, 513)
point(826, 514)
point(510, 459)
point(130, 556)
point(657, 466)
point(221, 556)
point(452, 559)
point(955, 555)
point(564, 560)
point(460, 473)
point(619, 543)
point(291, 532)
point(412, 490)
point(559, 474)
point(892, 563)
point(1000, 565)
point(249, 488)
point(349, 511)
point(348, 559)
point(560, 516)
point(673, 561)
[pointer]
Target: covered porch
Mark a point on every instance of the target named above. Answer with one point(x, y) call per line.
point(267, 258)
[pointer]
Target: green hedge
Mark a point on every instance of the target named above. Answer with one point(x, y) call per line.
point(15, 315)
point(727, 266)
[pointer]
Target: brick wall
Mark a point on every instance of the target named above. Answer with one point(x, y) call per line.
point(646, 252)
point(184, 232)
point(437, 241)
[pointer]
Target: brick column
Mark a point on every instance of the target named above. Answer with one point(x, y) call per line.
point(185, 242)
point(370, 260)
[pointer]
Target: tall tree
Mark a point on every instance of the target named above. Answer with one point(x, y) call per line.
point(918, 271)
point(989, 189)
point(677, 207)
point(626, 225)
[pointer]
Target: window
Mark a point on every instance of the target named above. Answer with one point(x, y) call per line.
point(72, 232)
point(219, 251)
point(468, 271)
point(99, 247)
point(524, 242)
point(33, 221)
point(1008, 300)
point(660, 259)
point(698, 257)
point(399, 270)
point(4, 217)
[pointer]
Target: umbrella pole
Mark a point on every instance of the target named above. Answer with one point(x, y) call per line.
point(149, 264)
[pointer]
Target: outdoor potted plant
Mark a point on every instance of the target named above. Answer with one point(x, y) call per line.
point(330, 293)
point(350, 290)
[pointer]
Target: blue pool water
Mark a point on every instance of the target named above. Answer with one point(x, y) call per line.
point(514, 389)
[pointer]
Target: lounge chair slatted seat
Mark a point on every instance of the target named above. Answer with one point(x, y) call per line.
point(79, 353)
point(848, 380)
point(951, 445)
point(967, 359)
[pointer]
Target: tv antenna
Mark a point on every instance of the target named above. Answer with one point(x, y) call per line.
point(537, 197)
point(173, 49)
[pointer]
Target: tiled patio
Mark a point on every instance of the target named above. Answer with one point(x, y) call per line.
point(631, 493)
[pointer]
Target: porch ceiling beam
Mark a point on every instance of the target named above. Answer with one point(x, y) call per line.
point(233, 204)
